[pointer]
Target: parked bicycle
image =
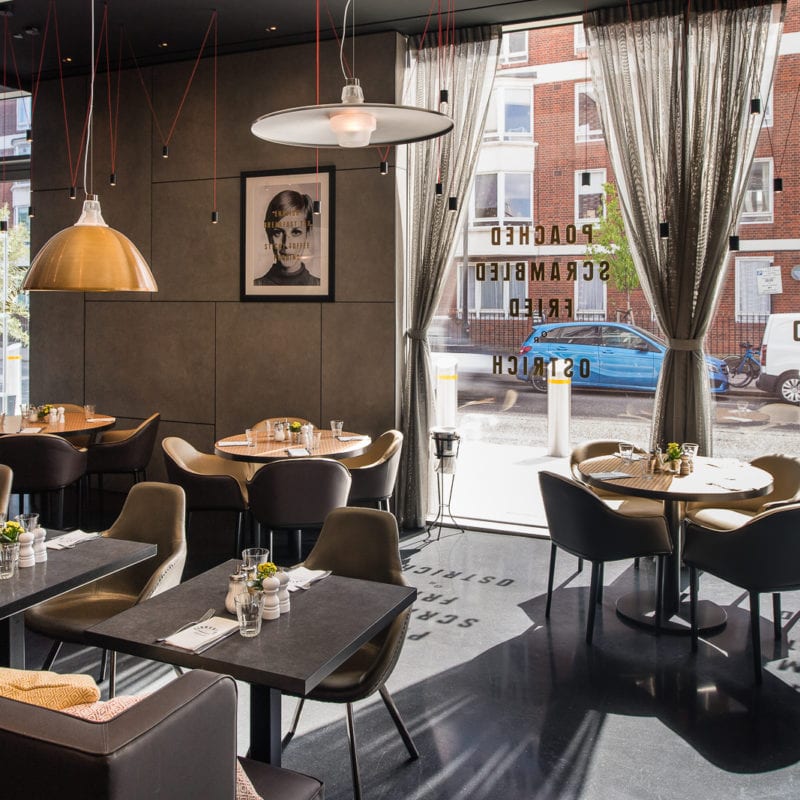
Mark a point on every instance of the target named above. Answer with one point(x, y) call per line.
point(744, 368)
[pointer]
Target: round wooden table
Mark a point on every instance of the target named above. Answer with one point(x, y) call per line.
point(713, 478)
point(236, 448)
point(74, 422)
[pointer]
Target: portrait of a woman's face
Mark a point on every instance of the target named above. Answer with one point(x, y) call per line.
point(286, 246)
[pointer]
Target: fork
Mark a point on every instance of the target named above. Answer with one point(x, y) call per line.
point(210, 613)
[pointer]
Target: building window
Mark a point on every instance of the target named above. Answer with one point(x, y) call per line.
point(509, 115)
point(502, 198)
point(514, 47)
point(590, 298)
point(587, 115)
point(590, 201)
point(750, 305)
point(23, 113)
point(580, 39)
point(757, 206)
point(488, 296)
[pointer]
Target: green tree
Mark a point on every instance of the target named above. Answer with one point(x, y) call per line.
point(16, 307)
point(610, 243)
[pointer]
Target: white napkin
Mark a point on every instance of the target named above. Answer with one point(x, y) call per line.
point(349, 438)
point(609, 476)
point(68, 540)
point(31, 430)
point(302, 578)
point(100, 419)
point(297, 451)
point(232, 444)
point(202, 635)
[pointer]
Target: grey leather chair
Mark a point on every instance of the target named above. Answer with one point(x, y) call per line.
point(362, 543)
point(44, 464)
point(374, 472)
point(582, 524)
point(763, 555)
point(179, 741)
point(728, 515)
point(296, 495)
point(211, 483)
point(153, 513)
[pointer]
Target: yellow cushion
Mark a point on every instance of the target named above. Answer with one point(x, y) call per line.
point(47, 689)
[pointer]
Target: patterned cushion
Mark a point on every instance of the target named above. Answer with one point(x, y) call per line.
point(47, 689)
point(105, 711)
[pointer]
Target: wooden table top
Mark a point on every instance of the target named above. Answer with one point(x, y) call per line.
point(74, 422)
point(270, 450)
point(712, 478)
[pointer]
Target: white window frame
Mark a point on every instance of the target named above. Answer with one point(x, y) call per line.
point(580, 190)
point(499, 98)
point(509, 56)
point(745, 289)
point(590, 135)
point(501, 218)
point(579, 39)
point(23, 113)
point(761, 217)
point(476, 307)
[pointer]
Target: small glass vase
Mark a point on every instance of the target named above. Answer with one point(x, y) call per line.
point(9, 555)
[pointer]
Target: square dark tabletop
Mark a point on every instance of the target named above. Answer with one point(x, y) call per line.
point(326, 625)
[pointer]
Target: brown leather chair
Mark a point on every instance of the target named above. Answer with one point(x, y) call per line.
point(211, 483)
point(153, 513)
point(43, 464)
point(296, 495)
point(362, 543)
point(582, 524)
point(729, 515)
point(125, 452)
point(179, 741)
point(763, 555)
point(374, 472)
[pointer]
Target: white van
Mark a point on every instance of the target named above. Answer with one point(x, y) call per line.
point(780, 357)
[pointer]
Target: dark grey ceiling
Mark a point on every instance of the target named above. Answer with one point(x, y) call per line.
point(243, 24)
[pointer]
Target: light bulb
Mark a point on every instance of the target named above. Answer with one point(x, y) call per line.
point(353, 128)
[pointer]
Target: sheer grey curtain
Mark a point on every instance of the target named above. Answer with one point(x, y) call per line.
point(673, 82)
point(469, 68)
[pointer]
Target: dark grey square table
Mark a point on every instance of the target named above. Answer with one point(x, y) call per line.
point(325, 626)
point(63, 570)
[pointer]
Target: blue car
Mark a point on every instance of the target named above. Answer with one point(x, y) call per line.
point(605, 355)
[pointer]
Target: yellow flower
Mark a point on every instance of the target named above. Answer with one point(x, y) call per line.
point(10, 531)
point(674, 451)
point(295, 426)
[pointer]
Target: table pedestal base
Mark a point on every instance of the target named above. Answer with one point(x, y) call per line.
point(639, 607)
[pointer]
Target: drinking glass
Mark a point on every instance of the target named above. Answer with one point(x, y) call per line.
point(88, 410)
point(249, 607)
point(690, 449)
point(9, 553)
point(336, 427)
point(250, 435)
point(29, 522)
point(626, 450)
point(316, 442)
point(267, 430)
point(251, 558)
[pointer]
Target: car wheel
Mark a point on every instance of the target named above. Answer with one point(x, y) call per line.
point(539, 382)
point(789, 388)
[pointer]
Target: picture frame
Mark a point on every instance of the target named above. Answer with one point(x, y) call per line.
point(287, 249)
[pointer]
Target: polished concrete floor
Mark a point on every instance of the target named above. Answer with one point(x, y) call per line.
point(505, 704)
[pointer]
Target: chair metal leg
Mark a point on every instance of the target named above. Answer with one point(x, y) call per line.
point(580, 565)
point(693, 605)
point(52, 655)
point(550, 580)
point(659, 591)
point(755, 634)
point(60, 509)
point(351, 738)
point(592, 603)
point(178, 670)
point(103, 666)
point(776, 615)
point(636, 563)
point(112, 674)
point(600, 579)
point(398, 722)
point(295, 720)
point(298, 541)
point(239, 529)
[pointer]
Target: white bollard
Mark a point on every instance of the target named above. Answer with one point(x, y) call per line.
point(446, 392)
point(559, 408)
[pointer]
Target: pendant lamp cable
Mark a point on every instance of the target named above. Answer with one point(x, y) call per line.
point(88, 187)
point(341, 43)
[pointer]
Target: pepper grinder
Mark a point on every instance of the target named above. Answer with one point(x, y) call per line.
point(26, 556)
point(283, 590)
point(39, 547)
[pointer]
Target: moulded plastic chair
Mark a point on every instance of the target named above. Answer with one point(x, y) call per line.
point(374, 472)
point(43, 464)
point(296, 495)
point(153, 513)
point(362, 543)
point(728, 515)
point(582, 524)
point(763, 555)
point(211, 483)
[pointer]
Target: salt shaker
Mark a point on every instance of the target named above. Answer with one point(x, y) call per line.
point(61, 417)
point(26, 555)
point(39, 547)
point(283, 590)
point(236, 585)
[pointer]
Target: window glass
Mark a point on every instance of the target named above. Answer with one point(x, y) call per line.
point(750, 304)
point(517, 111)
point(587, 115)
point(485, 199)
point(589, 200)
point(590, 297)
point(757, 206)
point(517, 196)
point(514, 47)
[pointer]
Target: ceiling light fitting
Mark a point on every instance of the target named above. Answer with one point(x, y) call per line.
point(89, 256)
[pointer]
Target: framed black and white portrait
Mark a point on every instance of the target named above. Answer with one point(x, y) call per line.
point(287, 235)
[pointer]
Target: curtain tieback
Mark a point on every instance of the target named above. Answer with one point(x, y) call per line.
point(416, 334)
point(685, 344)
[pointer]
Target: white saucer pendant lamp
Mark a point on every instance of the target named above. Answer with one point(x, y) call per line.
point(89, 257)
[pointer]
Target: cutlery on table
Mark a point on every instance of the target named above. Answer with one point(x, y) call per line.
point(210, 613)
